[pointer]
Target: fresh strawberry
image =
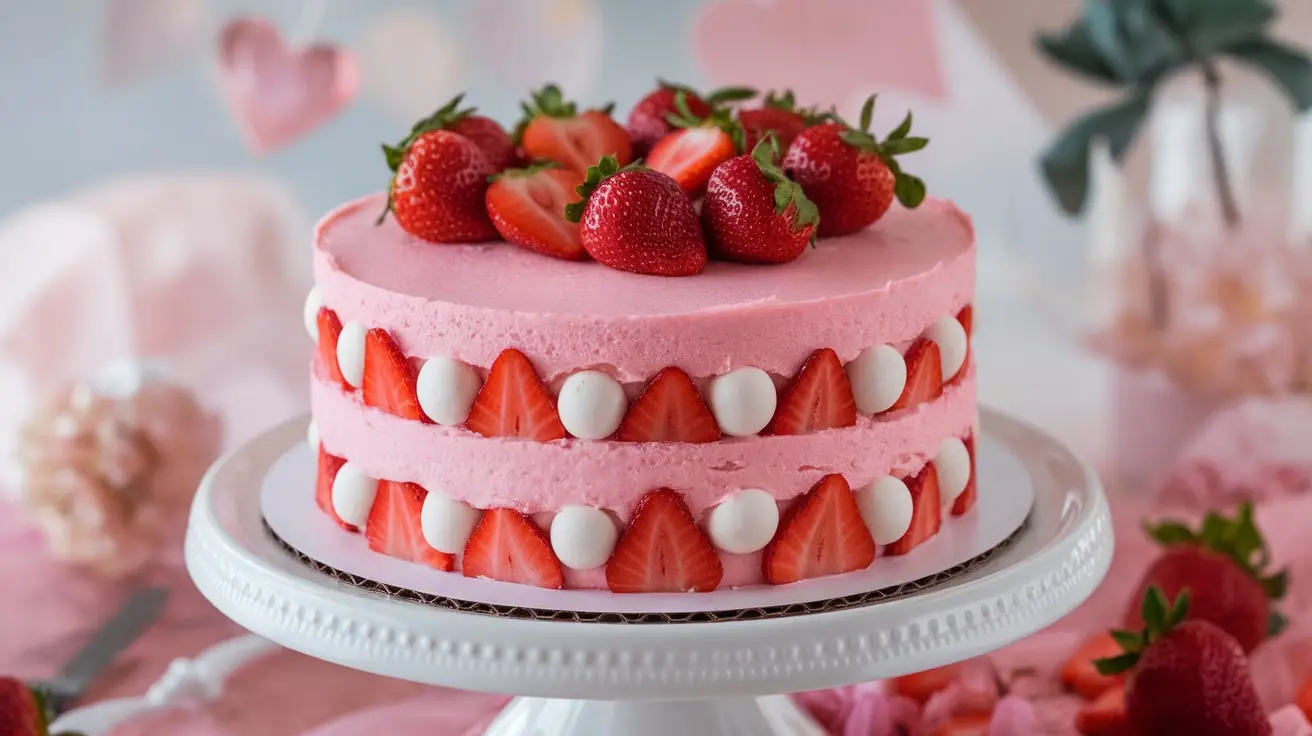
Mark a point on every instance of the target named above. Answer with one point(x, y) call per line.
point(649, 120)
point(1224, 566)
point(22, 711)
point(822, 534)
point(323, 489)
point(669, 409)
point(389, 379)
point(1185, 677)
point(691, 153)
point(1105, 716)
point(965, 724)
point(638, 220)
point(663, 551)
point(967, 319)
point(779, 115)
point(528, 209)
point(393, 527)
point(924, 375)
point(754, 213)
point(439, 178)
point(515, 403)
point(1304, 698)
point(851, 176)
point(921, 686)
point(927, 514)
point(966, 501)
point(486, 133)
point(1079, 674)
point(330, 328)
point(818, 398)
point(507, 546)
point(553, 129)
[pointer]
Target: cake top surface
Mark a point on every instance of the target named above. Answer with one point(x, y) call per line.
point(904, 245)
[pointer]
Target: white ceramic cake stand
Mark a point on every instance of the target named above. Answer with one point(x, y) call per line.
point(719, 678)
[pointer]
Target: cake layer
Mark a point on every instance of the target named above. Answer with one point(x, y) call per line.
point(886, 284)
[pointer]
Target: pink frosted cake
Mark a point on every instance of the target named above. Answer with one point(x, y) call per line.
point(559, 414)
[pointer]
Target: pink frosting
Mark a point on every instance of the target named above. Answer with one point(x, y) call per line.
point(885, 284)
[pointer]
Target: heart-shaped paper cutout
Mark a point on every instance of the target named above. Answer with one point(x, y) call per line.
point(142, 36)
point(279, 93)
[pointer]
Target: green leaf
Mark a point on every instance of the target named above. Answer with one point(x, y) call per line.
point(1179, 610)
point(1066, 162)
point(902, 130)
point(868, 112)
point(730, 94)
point(1289, 68)
point(1169, 533)
point(1154, 609)
point(1210, 26)
point(910, 190)
point(607, 166)
point(1116, 665)
point(1074, 50)
point(1215, 530)
point(394, 156)
point(898, 146)
point(1275, 624)
point(1276, 586)
point(1130, 641)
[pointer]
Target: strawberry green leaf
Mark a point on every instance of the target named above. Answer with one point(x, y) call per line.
point(902, 130)
point(1237, 538)
point(1116, 665)
point(781, 100)
point(899, 146)
point(394, 156)
point(1276, 585)
point(1129, 640)
point(1154, 609)
point(608, 166)
point(1170, 533)
point(729, 94)
point(910, 190)
point(1276, 623)
point(786, 191)
point(868, 113)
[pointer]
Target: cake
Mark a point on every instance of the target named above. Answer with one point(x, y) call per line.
point(619, 403)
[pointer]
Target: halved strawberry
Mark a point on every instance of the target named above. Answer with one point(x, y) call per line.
point(966, 501)
point(507, 546)
point(1106, 716)
point(330, 328)
point(927, 513)
point(515, 403)
point(689, 156)
point(663, 551)
point(1081, 677)
point(554, 130)
point(823, 534)
point(924, 375)
point(967, 319)
point(389, 379)
point(921, 686)
point(669, 409)
point(393, 527)
point(819, 398)
point(323, 488)
point(527, 207)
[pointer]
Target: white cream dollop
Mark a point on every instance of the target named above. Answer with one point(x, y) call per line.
point(878, 376)
point(744, 523)
point(583, 537)
point(886, 508)
point(447, 523)
point(353, 495)
point(446, 388)
point(743, 401)
point(952, 466)
point(350, 353)
point(312, 436)
point(591, 405)
point(313, 303)
point(951, 339)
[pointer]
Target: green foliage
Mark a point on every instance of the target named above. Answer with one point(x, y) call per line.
point(786, 191)
point(607, 167)
point(1159, 616)
point(910, 190)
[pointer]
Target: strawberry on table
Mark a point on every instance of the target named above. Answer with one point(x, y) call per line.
point(507, 546)
point(1225, 567)
point(439, 177)
point(669, 409)
point(663, 551)
point(323, 489)
point(1082, 677)
point(389, 379)
point(754, 213)
point(779, 115)
point(485, 133)
point(822, 534)
point(649, 120)
point(638, 220)
point(819, 398)
point(850, 175)
point(22, 711)
point(553, 129)
point(926, 514)
point(1185, 677)
point(924, 375)
point(515, 403)
point(394, 529)
point(527, 207)
point(691, 153)
point(330, 328)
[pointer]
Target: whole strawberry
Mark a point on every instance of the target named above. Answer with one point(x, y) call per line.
point(754, 213)
point(22, 712)
point(852, 177)
point(1185, 677)
point(649, 120)
point(1223, 565)
point(438, 185)
point(486, 133)
point(638, 220)
point(780, 115)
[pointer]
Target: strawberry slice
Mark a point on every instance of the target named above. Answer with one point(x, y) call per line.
point(823, 534)
point(669, 409)
point(515, 403)
point(393, 527)
point(1106, 716)
point(389, 379)
point(690, 155)
point(927, 514)
point(553, 129)
point(663, 551)
point(819, 398)
point(1081, 677)
point(921, 686)
point(967, 319)
point(507, 546)
point(330, 328)
point(966, 501)
point(924, 375)
point(323, 489)
point(527, 207)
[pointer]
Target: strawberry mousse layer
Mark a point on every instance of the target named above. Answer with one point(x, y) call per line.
point(886, 284)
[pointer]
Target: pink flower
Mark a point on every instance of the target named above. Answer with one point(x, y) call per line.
point(861, 710)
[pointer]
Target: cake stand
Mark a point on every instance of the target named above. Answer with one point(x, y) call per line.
point(717, 675)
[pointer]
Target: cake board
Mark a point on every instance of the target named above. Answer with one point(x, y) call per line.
point(685, 672)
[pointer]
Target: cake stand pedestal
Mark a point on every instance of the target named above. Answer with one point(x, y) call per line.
point(718, 678)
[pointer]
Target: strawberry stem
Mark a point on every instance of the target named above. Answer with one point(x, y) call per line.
point(910, 190)
point(1160, 616)
point(786, 191)
point(1237, 538)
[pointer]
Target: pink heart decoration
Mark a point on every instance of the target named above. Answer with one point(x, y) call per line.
point(827, 51)
point(279, 93)
point(142, 36)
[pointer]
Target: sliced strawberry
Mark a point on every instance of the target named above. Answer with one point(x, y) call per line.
point(921, 686)
point(669, 410)
point(966, 501)
point(924, 375)
point(1106, 716)
point(819, 398)
point(553, 129)
point(689, 156)
point(507, 546)
point(965, 724)
point(663, 551)
point(393, 527)
point(515, 403)
point(927, 513)
point(323, 489)
point(389, 379)
point(330, 328)
point(823, 534)
point(1081, 677)
point(967, 319)
point(527, 207)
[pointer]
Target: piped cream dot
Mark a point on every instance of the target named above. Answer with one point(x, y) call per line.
point(952, 466)
point(583, 537)
point(878, 376)
point(743, 523)
point(353, 495)
point(743, 401)
point(952, 341)
point(313, 303)
point(447, 523)
point(350, 353)
point(312, 436)
point(886, 507)
point(446, 388)
point(591, 405)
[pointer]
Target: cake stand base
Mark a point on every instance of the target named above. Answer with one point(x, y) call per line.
point(684, 676)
